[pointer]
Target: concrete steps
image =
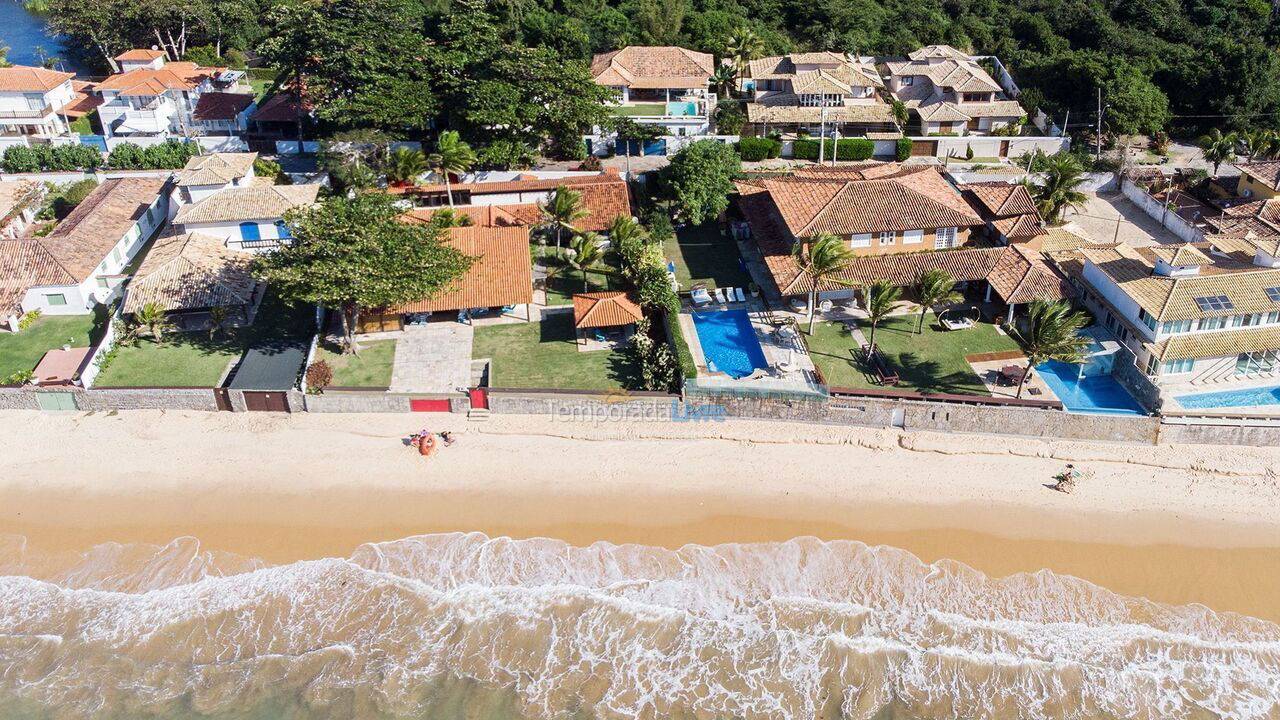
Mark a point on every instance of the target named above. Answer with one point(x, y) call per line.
point(478, 415)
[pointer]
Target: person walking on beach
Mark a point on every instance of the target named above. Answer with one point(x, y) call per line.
point(1067, 479)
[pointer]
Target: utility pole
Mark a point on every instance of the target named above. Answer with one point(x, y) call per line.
point(822, 136)
point(835, 147)
point(1066, 123)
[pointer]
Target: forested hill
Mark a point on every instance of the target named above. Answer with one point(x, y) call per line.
point(1160, 63)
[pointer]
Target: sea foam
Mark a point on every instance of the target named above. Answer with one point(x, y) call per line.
point(801, 629)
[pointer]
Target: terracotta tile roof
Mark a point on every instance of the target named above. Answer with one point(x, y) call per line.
point(937, 51)
point(83, 238)
point(191, 271)
point(604, 196)
point(255, 202)
point(501, 274)
point(216, 168)
point(1002, 199)
point(21, 78)
point(486, 215)
point(58, 366)
point(1022, 275)
point(604, 309)
point(18, 195)
point(140, 55)
point(1267, 173)
point(1222, 343)
point(281, 107)
point(1019, 228)
point(653, 67)
point(84, 101)
point(785, 108)
point(149, 81)
point(24, 264)
point(221, 105)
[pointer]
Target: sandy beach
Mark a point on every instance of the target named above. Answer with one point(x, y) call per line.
point(1173, 524)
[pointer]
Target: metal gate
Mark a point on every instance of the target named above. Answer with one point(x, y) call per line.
point(428, 405)
point(479, 398)
point(260, 401)
point(924, 148)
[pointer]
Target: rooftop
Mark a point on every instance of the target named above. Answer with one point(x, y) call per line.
point(21, 78)
point(501, 274)
point(216, 168)
point(24, 264)
point(844, 69)
point(150, 81)
point(191, 271)
point(1267, 173)
point(604, 309)
point(221, 105)
point(653, 67)
point(83, 238)
point(140, 55)
point(257, 202)
point(604, 197)
point(1008, 207)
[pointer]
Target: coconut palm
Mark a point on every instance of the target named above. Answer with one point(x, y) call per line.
point(217, 320)
point(561, 210)
point(153, 317)
point(1218, 148)
point(881, 299)
point(1052, 332)
point(724, 80)
point(629, 238)
point(586, 252)
point(450, 218)
point(743, 48)
point(1059, 189)
point(822, 258)
point(1264, 145)
point(452, 155)
point(934, 287)
point(405, 165)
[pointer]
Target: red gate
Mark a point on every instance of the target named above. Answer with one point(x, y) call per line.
point(428, 405)
point(479, 399)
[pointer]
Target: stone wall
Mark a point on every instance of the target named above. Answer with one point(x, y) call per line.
point(587, 406)
point(374, 401)
point(146, 399)
point(16, 398)
point(1220, 433)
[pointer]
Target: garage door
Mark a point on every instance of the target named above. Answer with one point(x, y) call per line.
point(265, 401)
point(425, 405)
point(924, 148)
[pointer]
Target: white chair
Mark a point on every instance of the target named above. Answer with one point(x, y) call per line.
point(700, 296)
point(728, 294)
point(825, 306)
point(742, 297)
point(720, 296)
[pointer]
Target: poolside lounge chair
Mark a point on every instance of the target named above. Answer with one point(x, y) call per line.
point(700, 296)
point(601, 337)
point(825, 306)
point(728, 294)
point(720, 296)
point(508, 309)
point(742, 297)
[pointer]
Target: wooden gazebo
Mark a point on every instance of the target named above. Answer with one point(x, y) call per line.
point(598, 310)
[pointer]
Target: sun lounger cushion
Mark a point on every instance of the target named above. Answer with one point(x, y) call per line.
point(742, 297)
point(700, 296)
point(720, 296)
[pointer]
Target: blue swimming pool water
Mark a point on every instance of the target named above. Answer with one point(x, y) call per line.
point(729, 342)
point(681, 109)
point(1090, 394)
point(1231, 398)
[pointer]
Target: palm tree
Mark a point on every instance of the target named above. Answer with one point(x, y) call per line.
point(724, 80)
point(1059, 190)
point(1052, 333)
point(452, 155)
point(1218, 148)
point(561, 210)
point(153, 317)
point(628, 237)
point(586, 252)
point(217, 320)
point(822, 259)
point(881, 299)
point(450, 218)
point(406, 165)
point(934, 287)
point(1264, 145)
point(743, 48)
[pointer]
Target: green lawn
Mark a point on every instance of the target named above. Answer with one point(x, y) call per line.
point(22, 350)
point(702, 255)
point(640, 109)
point(561, 288)
point(371, 368)
point(931, 362)
point(261, 79)
point(193, 359)
point(544, 355)
point(84, 124)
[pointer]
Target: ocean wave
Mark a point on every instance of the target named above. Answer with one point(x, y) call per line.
point(801, 629)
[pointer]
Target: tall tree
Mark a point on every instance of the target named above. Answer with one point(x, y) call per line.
point(880, 299)
point(1052, 332)
point(934, 287)
point(349, 254)
point(725, 79)
point(822, 258)
point(452, 155)
point(93, 24)
point(700, 177)
point(406, 165)
point(1218, 148)
point(561, 210)
point(744, 47)
point(1059, 189)
point(586, 253)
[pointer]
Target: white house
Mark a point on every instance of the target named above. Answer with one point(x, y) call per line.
point(950, 93)
point(246, 218)
point(223, 113)
point(81, 263)
point(152, 97)
point(666, 86)
point(205, 175)
point(30, 101)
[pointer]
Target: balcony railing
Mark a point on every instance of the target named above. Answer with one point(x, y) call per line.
point(29, 114)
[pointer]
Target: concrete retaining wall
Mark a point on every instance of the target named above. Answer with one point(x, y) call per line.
point(146, 399)
point(374, 401)
point(587, 406)
point(1220, 434)
point(1171, 221)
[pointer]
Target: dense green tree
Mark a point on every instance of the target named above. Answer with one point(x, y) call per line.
point(699, 179)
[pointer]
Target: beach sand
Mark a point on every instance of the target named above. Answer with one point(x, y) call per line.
point(1176, 524)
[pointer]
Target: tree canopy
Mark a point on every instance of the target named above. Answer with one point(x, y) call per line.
point(699, 179)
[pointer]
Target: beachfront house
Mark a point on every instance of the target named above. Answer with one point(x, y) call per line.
point(512, 199)
point(947, 92)
point(32, 100)
point(246, 218)
point(665, 86)
point(82, 262)
point(153, 97)
point(806, 93)
point(189, 274)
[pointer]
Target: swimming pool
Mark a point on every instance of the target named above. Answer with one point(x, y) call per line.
point(1245, 397)
point(729, 342)
point(682, 109)
point(1088, 394)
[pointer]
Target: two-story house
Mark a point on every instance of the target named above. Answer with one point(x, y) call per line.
point(807, 92)
point(82, 262)
point(31, 99)
point(245, 215)
point(949, 93)
point(153, 97)
point(1259, 180)
point(660, 85)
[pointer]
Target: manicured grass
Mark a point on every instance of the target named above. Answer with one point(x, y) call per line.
point(561, 288)
point(84, 124)
point(640, 109)
point(702, 255)
point(544, 355)
point(930, 362)
point(22, 350)
point(261, 80)
point(371, 368)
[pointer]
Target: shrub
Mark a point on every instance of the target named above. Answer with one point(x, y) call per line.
point(684, 358)
point(756, 149)
point(126, 156)
point(319, 376)
point(235, 59)
point(168, 155)
point(653, 289)
point(202, 55)
point(19, 159)
point(19, 378)
point(506, 154)
point(29, 319)
point(729, 119)
point(658, 223)
point(854, 149)
point(75, 193)
point(903, 149)
point(263, 167)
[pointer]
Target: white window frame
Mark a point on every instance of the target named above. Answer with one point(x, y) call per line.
point(944, 238)
point(908, 80)
point(888, 237)
point(912, 237)
point(861, 240)
point(48, 299)
point(1178, 367)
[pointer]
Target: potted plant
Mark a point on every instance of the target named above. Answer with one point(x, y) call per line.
point(754, 288)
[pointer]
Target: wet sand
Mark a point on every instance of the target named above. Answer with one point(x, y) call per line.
point(1176, 525)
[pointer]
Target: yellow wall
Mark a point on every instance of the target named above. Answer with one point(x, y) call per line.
point(1259, 191)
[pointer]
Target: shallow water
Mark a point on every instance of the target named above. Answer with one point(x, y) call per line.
point(463, 626)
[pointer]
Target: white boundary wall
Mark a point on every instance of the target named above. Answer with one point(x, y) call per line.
point(1171, 221)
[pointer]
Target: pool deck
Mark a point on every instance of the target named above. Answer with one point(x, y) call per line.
point(989, 372)
point(1170, 393)
point(777, 351)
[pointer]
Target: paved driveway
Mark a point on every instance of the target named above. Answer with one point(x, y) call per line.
point(1110, 217)
point(433, 358)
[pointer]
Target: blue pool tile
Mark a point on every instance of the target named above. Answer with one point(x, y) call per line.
point(1245, 397)
point(1096, 394)
point(729, 342)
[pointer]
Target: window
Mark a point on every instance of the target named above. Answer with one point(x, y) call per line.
point(1246, 320)
point(249, 232)
point(1212, 323)
point(115, 254)
point(55, 299)
point(104, 283)
point(1146, 319)
point(1176, 326)
point(858, 241)
point(908, 80)
point(1153, 365)
point(913, 237)
point(1263, 361)
point(1214, 303)
point(944, 238)
point(1173, 367)
point(888, 238)
point(1274, 294)
point(282, 230)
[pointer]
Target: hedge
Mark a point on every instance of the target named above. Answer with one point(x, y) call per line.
point(50, 158)
point(903, 150)
point(756, 149)
point(850, 149)
point(684, 358)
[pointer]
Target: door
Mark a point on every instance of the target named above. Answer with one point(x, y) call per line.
point(924, 148)
point(1004, 148)
point(222, 399)
point(428, 405)
point(258, 401)
point(479, 399)
point(57, 401)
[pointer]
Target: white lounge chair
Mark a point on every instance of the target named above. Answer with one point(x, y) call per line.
point(700, 296)
point(742, 297)
point(720, 296)
point(728, 294)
